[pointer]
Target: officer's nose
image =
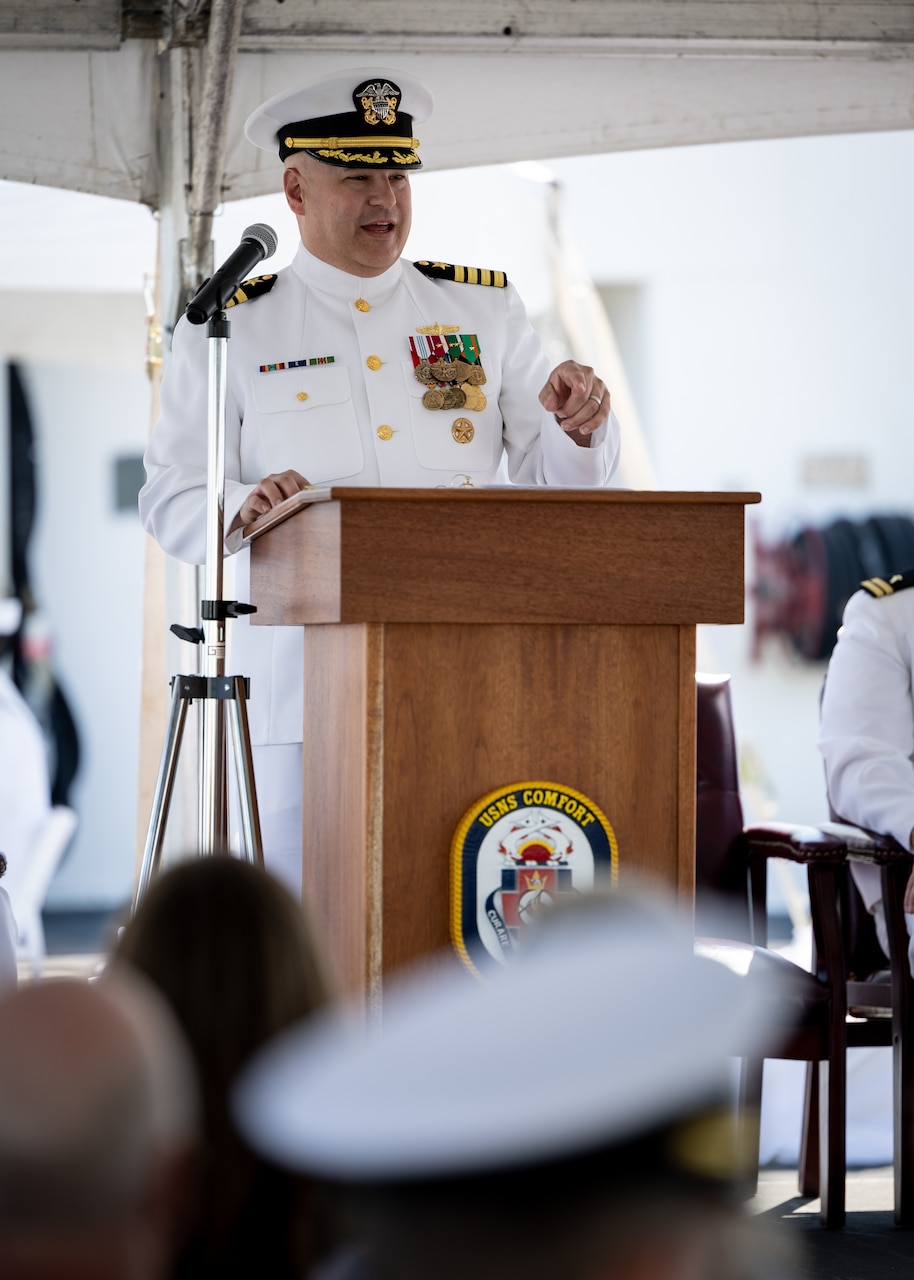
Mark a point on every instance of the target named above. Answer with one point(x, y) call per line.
point(383, 192)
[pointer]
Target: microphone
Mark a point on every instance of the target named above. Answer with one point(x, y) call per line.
point(257, 242)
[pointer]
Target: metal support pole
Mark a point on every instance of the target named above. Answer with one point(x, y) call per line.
point(213, 689)
point(213, 832)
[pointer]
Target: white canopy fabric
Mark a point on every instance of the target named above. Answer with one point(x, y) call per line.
point(559, 79)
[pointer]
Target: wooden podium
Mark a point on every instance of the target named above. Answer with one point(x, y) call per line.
point(459, 640)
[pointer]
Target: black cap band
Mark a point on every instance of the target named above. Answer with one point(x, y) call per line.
point(344, 140)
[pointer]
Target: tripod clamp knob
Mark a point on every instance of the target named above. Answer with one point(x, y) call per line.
point(219, 610)
point(211, 611)
point(193, 635)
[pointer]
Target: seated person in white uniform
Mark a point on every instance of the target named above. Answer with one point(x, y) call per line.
point(25, 786)
point(866, 734)
point(355, 366)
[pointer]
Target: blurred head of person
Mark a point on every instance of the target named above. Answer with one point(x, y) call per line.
point(98, 1131)
point(572, 1116)
point(236, 957)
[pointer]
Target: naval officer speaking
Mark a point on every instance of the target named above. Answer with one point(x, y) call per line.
point(355, 366)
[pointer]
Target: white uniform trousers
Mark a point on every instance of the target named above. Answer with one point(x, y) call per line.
point(868, 880)
point(277, 778)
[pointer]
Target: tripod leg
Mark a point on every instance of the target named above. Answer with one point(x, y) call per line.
point(213, 816)
point(244, 770)
point(165, 780)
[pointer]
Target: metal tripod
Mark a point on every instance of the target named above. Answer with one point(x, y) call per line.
point(216, 692)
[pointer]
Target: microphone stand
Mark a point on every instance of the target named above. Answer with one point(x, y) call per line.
point(217, 693)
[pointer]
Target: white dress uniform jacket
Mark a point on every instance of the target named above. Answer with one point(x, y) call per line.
point(866, 733)
point(358, 420)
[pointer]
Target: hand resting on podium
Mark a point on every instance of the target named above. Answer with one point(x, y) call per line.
point(265, 495)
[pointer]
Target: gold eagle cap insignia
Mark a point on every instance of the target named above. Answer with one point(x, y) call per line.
point(379, 100)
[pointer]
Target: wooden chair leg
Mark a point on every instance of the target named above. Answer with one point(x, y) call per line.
point(832, 1139)
point(903, 1095)
point(809, 1142)
point(894, 878)
point(750, 1108)
point(903, 1111)
point(826, 885)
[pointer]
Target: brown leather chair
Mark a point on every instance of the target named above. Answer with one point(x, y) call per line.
point(812, 1016)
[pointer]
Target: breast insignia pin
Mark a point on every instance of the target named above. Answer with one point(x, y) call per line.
point(463, 430)
point(439, 329)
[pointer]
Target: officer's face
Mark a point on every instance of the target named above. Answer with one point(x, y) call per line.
point(355, 219)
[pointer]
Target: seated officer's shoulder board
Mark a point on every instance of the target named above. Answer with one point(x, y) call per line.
point(253, 288)
point(462, 275)
point(880, 587)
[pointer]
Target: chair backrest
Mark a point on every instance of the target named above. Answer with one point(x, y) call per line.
point(51, 842)
point(722, 874)
point(720, 857)
point(30, 890)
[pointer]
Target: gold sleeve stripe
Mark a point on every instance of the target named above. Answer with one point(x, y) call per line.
point(312, 144)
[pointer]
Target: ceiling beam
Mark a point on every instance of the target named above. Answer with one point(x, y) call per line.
point(435, 23)
point(60, 24)
point(501, 25)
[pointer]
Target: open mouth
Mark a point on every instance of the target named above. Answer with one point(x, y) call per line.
point(380, 228)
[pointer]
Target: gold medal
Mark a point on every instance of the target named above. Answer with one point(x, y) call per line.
point(444, 398)
point(453, 382)
point(462, 430)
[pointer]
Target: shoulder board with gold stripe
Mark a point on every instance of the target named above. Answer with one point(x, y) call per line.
point(880, 587)
point(462, 275)
point(252, 288)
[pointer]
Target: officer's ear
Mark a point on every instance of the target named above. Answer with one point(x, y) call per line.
point(294, 188)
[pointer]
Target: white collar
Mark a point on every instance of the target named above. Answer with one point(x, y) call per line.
point(318, 274)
